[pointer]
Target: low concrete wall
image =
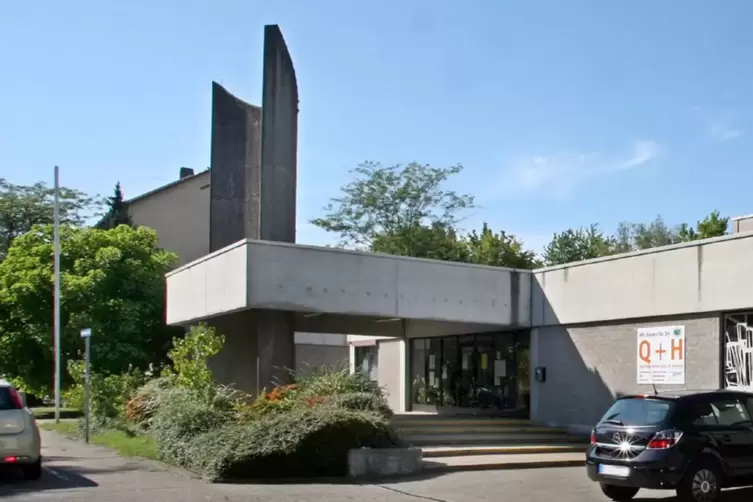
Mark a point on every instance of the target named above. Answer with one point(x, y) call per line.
point(377, 462)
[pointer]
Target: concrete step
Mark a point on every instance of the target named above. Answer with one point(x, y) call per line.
point(474, 428)
point(521, 449)
point(511, 438)
point(437, 420)
point(498, 462)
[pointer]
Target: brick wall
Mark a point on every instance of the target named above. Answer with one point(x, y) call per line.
point(588, 366)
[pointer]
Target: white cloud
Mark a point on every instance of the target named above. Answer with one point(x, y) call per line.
point(719, 124)
point(559, 174)
point(644, 152)
point(721, 131)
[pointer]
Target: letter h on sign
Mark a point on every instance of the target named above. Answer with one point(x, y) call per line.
point(677, 349)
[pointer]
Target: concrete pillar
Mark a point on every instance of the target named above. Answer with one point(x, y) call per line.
point(259, 349)
point(236, 363)
point(275, 347)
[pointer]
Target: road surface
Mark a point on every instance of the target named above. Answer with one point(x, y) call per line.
point(82, 473)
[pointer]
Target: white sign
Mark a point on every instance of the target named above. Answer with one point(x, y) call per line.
point(86, 333)
point(660, 357)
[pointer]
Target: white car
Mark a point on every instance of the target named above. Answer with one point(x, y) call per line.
point(20, 444)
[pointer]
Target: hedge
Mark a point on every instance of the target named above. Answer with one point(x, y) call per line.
point(183, 416)
point(300, 443)
point(363, 401)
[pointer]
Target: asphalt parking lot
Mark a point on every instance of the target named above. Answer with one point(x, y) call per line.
point(78, 472)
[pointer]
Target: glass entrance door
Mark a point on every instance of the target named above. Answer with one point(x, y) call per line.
point(487, 371)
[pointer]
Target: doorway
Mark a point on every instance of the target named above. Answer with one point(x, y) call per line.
point(481, 374)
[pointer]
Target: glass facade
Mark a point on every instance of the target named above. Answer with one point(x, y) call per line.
point(489, 371)
point(367, 361)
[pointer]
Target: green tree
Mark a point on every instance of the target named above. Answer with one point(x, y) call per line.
point(23, 206)
point(190, 356)
point(498, 249)
point(649, 235)
point(436, 241)
point(713, 225)
point(637, 236)
point(577, 245)
point(392, 203)
point(117, 212)
point(112, 282)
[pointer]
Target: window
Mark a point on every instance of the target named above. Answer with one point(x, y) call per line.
point(730, 411)
point(366, 361)
point(6, 401)
point(703, 414)
point(639, 411)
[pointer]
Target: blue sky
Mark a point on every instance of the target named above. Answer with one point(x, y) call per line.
point(563, 113)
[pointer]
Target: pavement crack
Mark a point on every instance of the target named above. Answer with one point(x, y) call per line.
point(409, 494)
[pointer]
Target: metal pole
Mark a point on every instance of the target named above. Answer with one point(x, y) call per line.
point(56, 322)
point(87, 380)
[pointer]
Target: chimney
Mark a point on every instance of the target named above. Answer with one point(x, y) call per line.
point(185, 172)
point(742, 224)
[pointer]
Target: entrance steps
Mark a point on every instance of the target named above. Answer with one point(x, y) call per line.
point(460, 443)
point(492, 435)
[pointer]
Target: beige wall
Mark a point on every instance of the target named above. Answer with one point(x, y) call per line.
point(705, 276)
point(742, 224)
point(391, 372)
point(179, 214)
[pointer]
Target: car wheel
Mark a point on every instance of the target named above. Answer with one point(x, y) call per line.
point(619, 493)
point(33, 472)
point(702, 483)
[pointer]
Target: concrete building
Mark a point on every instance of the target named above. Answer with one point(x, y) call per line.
point(554, 344)
point(179, 213)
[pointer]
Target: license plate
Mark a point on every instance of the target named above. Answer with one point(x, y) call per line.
point(617, 471)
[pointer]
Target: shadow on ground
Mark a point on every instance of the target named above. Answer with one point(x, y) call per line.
point(57, 478)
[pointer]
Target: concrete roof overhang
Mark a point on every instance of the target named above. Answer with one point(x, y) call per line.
point(335, 290)
point(341, 291)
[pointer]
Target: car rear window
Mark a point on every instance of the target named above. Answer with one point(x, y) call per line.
point(639, 411)
point(6, 402)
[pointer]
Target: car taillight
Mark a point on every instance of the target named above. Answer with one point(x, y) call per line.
point(664, 440)
point(16, 399)
point(593, 437)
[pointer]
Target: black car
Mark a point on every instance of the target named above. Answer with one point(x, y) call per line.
point(694, 442)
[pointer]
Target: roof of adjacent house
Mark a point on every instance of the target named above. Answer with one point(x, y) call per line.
point(165, 187)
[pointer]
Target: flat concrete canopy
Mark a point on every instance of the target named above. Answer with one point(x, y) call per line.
point(342, 291)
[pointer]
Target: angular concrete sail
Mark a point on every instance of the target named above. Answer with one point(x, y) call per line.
point(279, 164)
point(279, 140)
point(234, 208)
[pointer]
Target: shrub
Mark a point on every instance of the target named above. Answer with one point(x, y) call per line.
point(190, 357)
point(363, 401)
point(182, 416)
point(303, 442)
point(334, 380)
point(145, 402)
point(108, 393)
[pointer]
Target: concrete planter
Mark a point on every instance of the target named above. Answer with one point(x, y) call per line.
point(377, 462)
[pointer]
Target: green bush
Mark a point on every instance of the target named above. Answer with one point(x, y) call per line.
point(334, 380)
point(190, 357)
point(108, 393)
point(363, 401)
point(302, 442)
point(145, 402)
point(181, 417)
